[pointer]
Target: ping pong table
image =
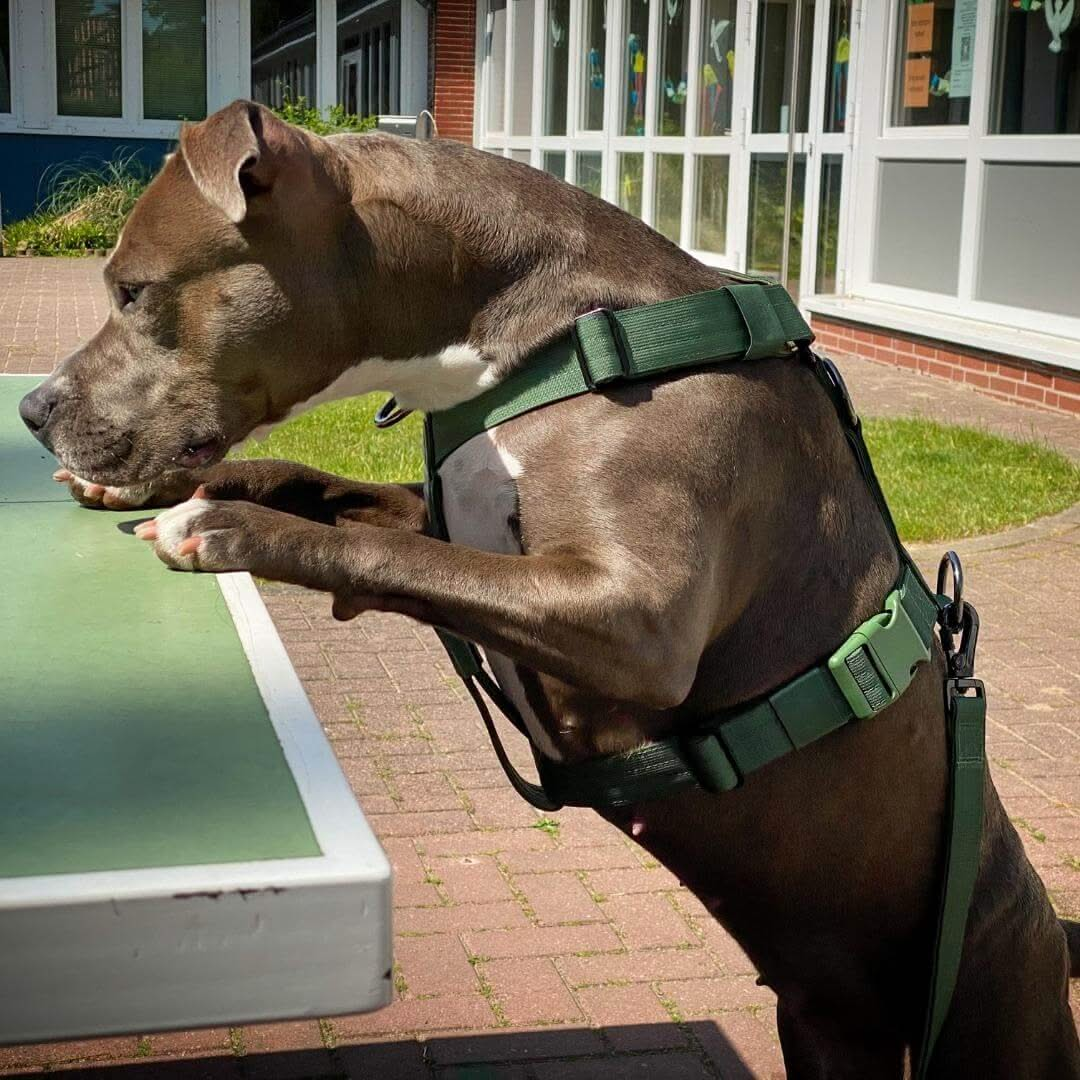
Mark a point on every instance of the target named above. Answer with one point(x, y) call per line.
point(178, 846)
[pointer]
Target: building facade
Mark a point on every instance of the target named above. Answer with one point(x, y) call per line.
point(905, 165)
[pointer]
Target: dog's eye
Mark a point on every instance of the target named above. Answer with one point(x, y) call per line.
point(128, 294)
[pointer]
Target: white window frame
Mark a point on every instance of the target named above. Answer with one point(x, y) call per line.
point(878, 140)
point(13, 45)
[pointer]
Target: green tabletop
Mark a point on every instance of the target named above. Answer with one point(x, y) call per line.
point(132, 733)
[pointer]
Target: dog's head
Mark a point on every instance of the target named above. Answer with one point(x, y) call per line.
point(225, 305)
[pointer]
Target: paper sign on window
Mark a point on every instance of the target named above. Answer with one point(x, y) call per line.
point(920, 28)
point(917, 83)
point(963, 48)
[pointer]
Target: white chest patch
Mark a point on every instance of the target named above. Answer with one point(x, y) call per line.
point(447, 378)
point(479, 492)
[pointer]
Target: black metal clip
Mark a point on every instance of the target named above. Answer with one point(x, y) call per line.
point(390, 413)
point(952, 614)
point(957, 619)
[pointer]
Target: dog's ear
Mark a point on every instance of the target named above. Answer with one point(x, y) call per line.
point(234, 155)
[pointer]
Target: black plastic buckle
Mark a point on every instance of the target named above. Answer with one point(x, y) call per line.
point(618, 338)
point(389, 414)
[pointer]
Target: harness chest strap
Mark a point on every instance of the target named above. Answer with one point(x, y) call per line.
point(866, 674)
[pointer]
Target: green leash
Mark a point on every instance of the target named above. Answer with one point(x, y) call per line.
point(867, 673)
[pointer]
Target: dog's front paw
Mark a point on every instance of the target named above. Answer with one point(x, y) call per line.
point(202, 534)
point(168, 490)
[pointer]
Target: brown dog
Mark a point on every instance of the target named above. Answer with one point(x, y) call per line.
point(629, 560)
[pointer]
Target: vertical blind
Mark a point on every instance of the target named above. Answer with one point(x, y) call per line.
point(174, 59)
point(88, 80)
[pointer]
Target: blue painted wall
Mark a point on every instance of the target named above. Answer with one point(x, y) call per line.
point(26, 159)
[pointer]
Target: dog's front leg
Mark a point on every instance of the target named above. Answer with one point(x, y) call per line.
point(601, 623)
point(281, 485)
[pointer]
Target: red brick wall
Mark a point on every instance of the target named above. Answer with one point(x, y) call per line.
point(455, 67)
point(1005, 377)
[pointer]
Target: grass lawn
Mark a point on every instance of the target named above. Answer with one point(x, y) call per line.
point(942, 483)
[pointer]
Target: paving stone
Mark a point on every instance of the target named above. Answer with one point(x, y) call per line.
point(632, 1017)
point(434, 965)
point(662, 1066)
point(522, 1044)
point(530, 991)
point(741, 1047)
point(472, 879)
point(648, 921)
point(632, 880)
point(541, 941)
point(640, 965)
point(560, 898)
point(705, 997)
point(489, 918)
point(370, 1060)
point(454, 1011)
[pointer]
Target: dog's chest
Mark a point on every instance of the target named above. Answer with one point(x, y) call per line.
point(480, 508)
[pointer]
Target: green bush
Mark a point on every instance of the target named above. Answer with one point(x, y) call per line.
point(84, 211)
point(334, 121)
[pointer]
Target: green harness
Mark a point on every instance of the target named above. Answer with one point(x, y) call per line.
point(742, 323)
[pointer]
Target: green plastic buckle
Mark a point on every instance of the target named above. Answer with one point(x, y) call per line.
point(876, 664)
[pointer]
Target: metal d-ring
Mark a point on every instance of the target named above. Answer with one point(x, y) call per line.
point(390, 414)
point(953, 614)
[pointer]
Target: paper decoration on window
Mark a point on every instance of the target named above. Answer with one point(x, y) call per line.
point(917, 83)
point(1059, 17)
point(920, 28)
point(672, 9)
point(558, 33)
point(596, 70)
point(718, 29)
point(965, 16)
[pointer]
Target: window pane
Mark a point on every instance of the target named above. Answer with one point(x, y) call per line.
point(776, 56)
point(495, 64)
point(555, 163)
point(637, 40)
point(935, 57)
point(710, 204)
point(718, 38)
point(920, 204)
point(5, 60)
point(367, 57)
point(837, 66)
point(765, 230)
point(1036, 87)
point(174, 59)
point(557, 73)
point(524, 156)
point(521, 67)
point(1030, 236)
point(674, 52)
point(88, 58)
point(283, 51)
point(588, 172)
point(667, 199)
point(828, 223)
point(592, 81)
point(631, 168)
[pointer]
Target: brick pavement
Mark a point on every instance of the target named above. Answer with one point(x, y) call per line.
point(532, 948)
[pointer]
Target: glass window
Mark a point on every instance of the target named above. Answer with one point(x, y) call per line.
point(521, 67)
point(776, 55)
point(367, 57)
point(5, 60)
point(828, 230)
point(631, 170)
point(1036, 73)
point(495, 64)
point(718, 38)
point(556, 70)
point(667, 199)
point(588, 172)
point(592, 80)
point(935, 57)
point(88, 81)
point(674, 58)
point(836, 67)
point(174, 59)
point(765, 228)
point(524, 156)
point(283, 51)
point(917, 242)
point(555, 163)
point(1030, 236)
point(637, 41)
point(710, 204)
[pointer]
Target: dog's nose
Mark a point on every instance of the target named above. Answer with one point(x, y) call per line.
point(37, 407)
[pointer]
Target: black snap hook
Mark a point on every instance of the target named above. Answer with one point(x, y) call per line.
point(952, 616)
point(390, 414)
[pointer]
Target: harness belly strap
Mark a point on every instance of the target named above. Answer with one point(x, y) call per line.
point(866, 674)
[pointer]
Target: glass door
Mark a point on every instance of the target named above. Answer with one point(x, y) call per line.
point(794, 142)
